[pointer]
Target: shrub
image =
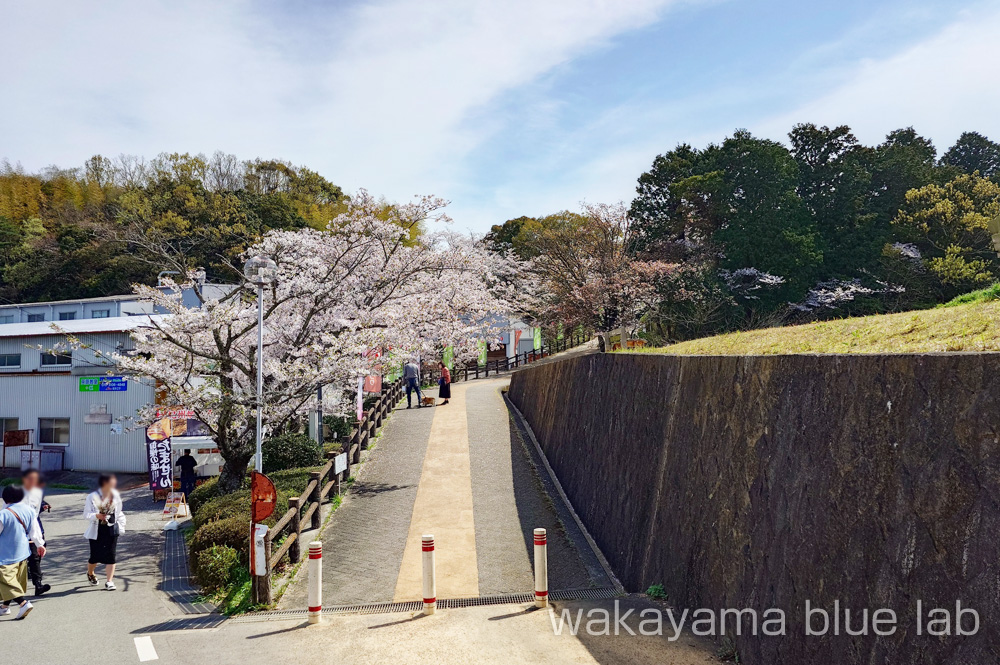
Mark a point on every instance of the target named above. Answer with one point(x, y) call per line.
point(292, 482)
point(232, 532)
point(236, 504)
point(203, 493)
point(216, 566)
point(656, 592)
point(339, 426)
point(290, 451)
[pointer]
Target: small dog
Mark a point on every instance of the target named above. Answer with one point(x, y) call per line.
point(429, 401)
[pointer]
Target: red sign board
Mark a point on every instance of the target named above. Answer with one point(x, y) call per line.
point(262, 497)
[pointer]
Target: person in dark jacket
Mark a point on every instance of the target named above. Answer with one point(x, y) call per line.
point(32, 479)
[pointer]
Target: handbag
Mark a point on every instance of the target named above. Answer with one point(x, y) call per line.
point(112, 523)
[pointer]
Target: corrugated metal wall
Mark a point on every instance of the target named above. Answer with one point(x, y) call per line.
point(31, 393)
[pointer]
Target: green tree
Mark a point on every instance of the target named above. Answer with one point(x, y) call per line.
point(974, 152)
point(950, 226)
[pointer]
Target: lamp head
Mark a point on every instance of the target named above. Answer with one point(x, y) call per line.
point(260, 270)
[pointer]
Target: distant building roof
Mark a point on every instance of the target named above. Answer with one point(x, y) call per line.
point(77, 301)
point(78, 326)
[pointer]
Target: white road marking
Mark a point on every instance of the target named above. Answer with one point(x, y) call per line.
point(144, 646)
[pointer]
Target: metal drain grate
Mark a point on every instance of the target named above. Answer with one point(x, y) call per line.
point(445, 603)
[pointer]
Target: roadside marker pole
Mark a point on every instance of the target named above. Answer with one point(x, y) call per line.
point(430, 585)
point(315, 581)
point(541, 569)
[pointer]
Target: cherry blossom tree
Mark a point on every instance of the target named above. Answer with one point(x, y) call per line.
point(589, 274)
point(366, 282)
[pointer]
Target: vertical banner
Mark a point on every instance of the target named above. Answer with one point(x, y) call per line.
point(482, 352)
point(361, 398)
point(373, 382)
point(161, 468)
point(537, 339)
point(448, 357)
point(517, 340)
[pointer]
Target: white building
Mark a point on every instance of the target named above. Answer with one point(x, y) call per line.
point(69, 399)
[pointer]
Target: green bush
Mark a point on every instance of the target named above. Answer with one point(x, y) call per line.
point(656, 592)
point(232, 532)
point(203, 493)
point(339, 426)
point(216, 566)
point(236, 504)
point(290, 451)
point(292, 482)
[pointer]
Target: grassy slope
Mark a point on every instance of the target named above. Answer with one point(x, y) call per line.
point(955, 327)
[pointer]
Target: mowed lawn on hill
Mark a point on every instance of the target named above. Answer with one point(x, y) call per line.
point(960, 327)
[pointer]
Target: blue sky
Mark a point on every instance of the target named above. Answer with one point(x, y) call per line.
point(504, 108)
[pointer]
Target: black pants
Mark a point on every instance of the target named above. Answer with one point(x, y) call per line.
point(35, 566)
point(187, 485)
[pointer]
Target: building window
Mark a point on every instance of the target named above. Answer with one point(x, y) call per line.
point(53, 431)
point(54, 359)
point(8, 424)
point(6, 318)
point(100, 314)
point(10, 359)
point(35, 318)
point(67, 316)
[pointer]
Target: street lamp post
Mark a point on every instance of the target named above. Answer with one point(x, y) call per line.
point(260, 271)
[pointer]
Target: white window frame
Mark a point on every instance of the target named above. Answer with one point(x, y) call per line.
point(69, 431)
point(55, 365)
point(20, 360)
point(103, 314)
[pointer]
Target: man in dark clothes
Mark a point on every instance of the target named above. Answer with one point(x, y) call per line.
point(32, 479)
point(187, 463)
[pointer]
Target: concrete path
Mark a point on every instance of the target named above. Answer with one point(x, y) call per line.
point(487, 635)
point(462, 473)
point(82, 624)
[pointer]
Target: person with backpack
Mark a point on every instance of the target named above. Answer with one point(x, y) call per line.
point(16, 520)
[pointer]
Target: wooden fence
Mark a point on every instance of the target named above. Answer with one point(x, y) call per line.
point(325, 481)
point(476, 371)
point(322, 484)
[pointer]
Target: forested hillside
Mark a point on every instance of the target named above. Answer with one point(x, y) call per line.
point(751, 232)
point(96, 230)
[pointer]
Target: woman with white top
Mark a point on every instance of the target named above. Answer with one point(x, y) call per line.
point(106, 521)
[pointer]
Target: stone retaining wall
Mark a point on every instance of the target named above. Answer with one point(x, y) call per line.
point(767, 482)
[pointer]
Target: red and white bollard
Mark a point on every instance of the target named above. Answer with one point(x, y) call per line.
point(430, 585)
point(541, 569)
point(315, 581)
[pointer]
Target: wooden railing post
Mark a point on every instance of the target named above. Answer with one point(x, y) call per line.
point(295, 503)
point(261, 585)
point(317, 498)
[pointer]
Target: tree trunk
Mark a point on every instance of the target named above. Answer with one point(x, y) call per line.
point(233, 472)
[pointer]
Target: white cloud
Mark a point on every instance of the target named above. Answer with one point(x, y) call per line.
point(942, 86)
point(379, 95)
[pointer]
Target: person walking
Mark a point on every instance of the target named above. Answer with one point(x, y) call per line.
point(445, 382)
point(106, 521)
point(15, 520)
point(33, 484)
point(411, 375)
point(188, 464)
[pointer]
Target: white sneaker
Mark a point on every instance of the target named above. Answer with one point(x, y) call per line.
point(110, 586)
point(4, 610)
point(23, 611)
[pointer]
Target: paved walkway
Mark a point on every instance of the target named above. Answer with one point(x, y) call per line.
point(462, 473)
point(82, 624)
